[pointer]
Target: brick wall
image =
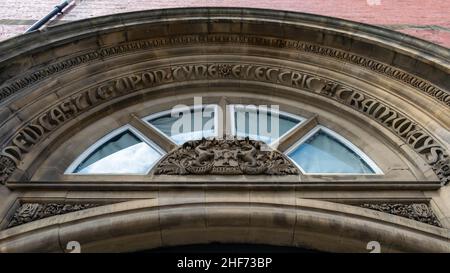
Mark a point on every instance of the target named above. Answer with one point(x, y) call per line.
point(426, 19)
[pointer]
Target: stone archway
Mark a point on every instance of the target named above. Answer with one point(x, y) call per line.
point(79, 80)
point(140, 225)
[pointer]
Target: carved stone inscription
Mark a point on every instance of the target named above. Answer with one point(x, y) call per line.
point(420, 212)
point(17, 84)
point(225, 157)
point(412, 133)
point(29, 212)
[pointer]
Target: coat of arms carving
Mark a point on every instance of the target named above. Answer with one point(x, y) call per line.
point(225, 157)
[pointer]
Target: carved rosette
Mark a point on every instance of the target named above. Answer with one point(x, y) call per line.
point(417, 211)
point(225, 157)
point(7, 167)
point(29, 212)
point(225, 70)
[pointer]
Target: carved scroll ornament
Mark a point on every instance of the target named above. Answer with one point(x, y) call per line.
point(225, 157)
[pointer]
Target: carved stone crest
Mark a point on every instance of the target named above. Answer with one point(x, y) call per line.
point(225, 157)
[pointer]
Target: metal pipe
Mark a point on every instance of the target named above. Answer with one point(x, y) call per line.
point(58, 9)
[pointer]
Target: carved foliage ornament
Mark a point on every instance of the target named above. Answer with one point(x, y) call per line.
point(225, 157)
point(418, 211)
point(7, 167)
point(29, 212)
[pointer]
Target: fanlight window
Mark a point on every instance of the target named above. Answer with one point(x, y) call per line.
point(258, 124)
point(322, 151)
point(127, 151)
point(171, 123)
point(124, 151)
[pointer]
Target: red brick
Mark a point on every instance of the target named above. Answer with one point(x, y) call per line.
point(426, 19)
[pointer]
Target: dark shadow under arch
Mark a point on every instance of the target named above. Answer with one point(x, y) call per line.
point(229, 248)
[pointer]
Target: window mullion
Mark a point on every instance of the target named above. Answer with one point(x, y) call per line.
point(224, 126)
point(148, 131)
point(297, 133)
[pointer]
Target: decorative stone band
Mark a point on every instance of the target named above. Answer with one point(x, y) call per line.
point(15, 85)
point(225, 157)
point(419, 212)
point(29, 212)
point(68, 108)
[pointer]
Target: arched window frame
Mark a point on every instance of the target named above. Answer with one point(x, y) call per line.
point(344, 141)
point(70, 170)
point(231, 113)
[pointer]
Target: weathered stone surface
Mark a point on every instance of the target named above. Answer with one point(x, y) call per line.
point(32, 78)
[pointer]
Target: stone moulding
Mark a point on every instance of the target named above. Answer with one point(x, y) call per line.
point(323, 225)
point(11, 88)
point(417, 211)
point(70, 107)
point(225, 157)
point(29, 212)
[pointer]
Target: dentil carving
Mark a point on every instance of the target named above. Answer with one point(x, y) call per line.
point(225, 157)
